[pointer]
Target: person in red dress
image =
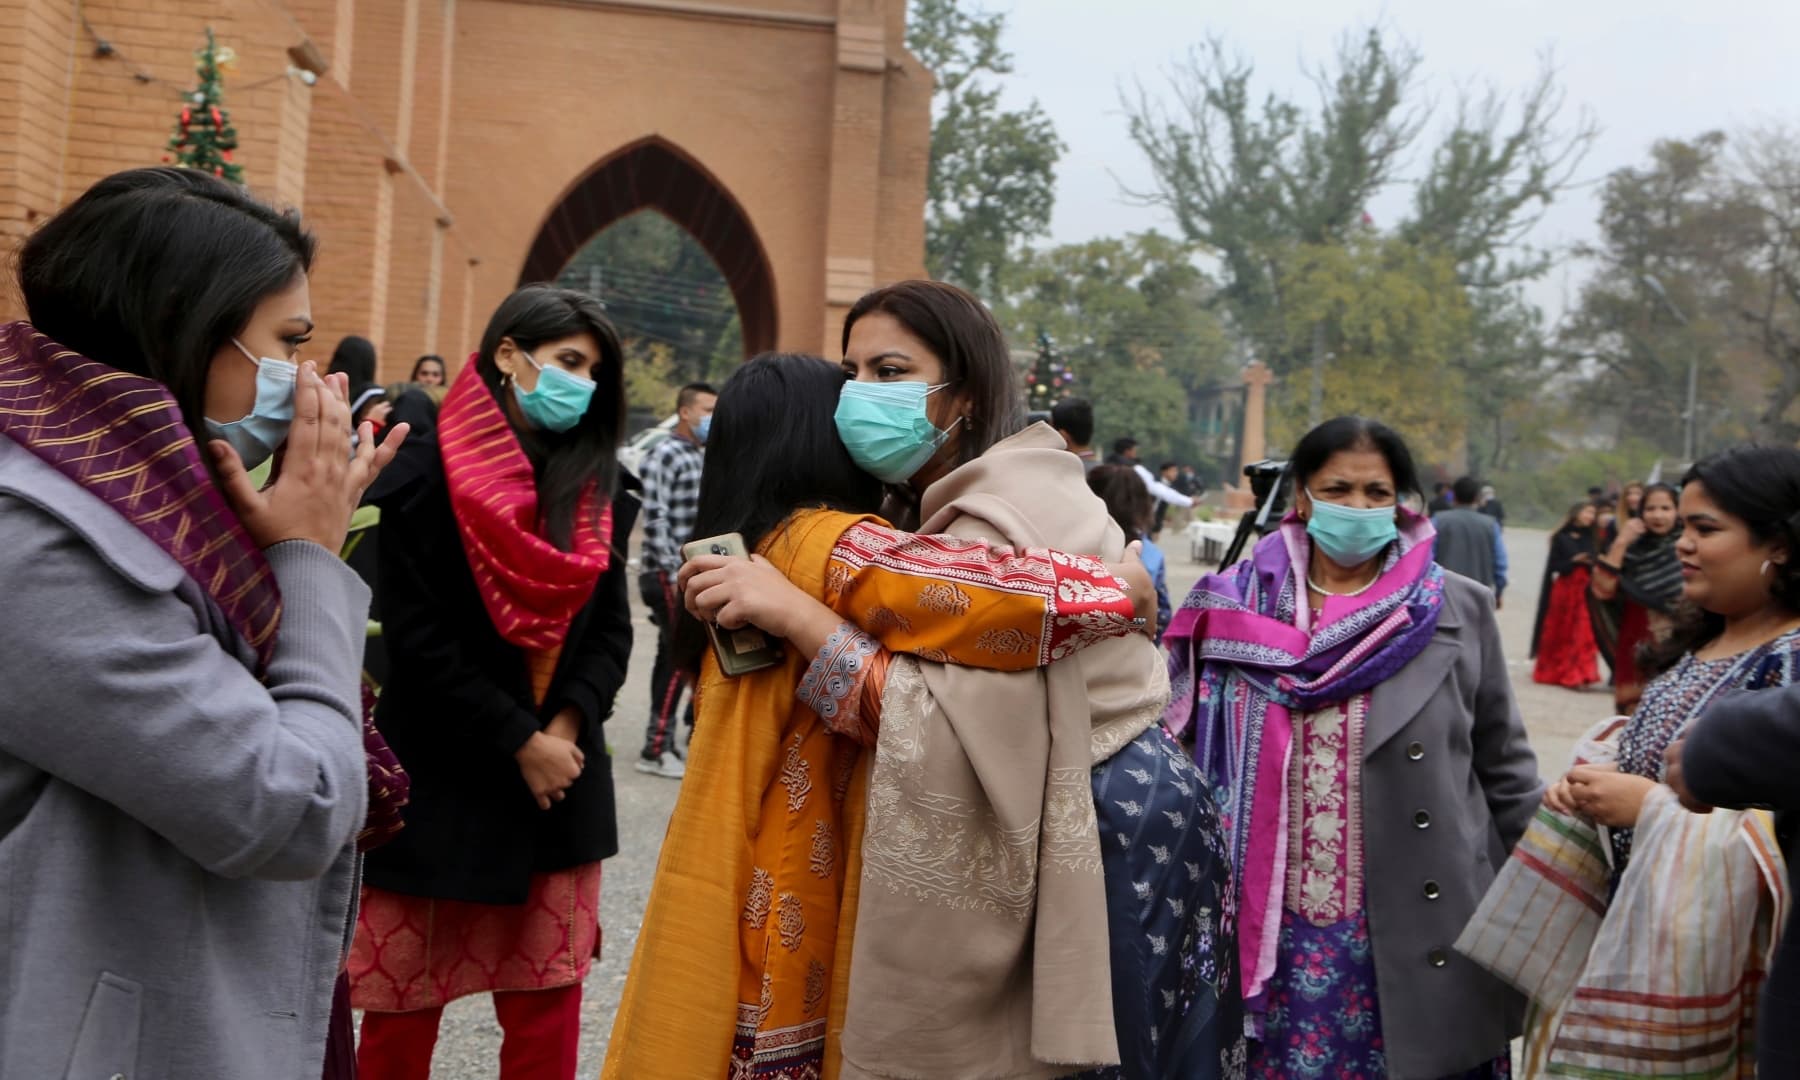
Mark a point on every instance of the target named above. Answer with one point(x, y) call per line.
point(1565, 649)
point(1636, 586)
point(504, 610)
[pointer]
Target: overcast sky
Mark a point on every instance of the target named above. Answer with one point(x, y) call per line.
point(1644, 69)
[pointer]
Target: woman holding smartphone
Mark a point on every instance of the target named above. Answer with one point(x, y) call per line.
point(741, 959)
point(504, 610)
point(1000, 956)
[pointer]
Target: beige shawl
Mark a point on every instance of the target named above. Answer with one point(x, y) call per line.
point(981, 935)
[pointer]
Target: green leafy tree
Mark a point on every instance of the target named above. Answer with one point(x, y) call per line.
point(1253, 183)
point(992, 182)
point(204, 137)
point(661, 288)
point(1132, 323)
point(1394, 315)
point(1270, 184)
point(1654, 302)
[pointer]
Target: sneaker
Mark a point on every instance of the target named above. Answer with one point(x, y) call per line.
point(668, 766)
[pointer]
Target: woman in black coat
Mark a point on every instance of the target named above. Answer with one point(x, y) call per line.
point(504, 615)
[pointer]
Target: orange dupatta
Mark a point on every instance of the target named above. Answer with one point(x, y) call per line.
point(744, 947)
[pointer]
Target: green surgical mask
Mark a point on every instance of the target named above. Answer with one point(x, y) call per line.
point(886, 429)
point(558, 401)
point(1350, 536)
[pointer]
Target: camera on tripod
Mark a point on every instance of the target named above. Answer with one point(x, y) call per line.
point(1269, 484)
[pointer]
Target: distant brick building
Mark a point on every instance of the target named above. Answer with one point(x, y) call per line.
point(451, 149)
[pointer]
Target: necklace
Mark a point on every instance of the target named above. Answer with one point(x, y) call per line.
point(1323, 591)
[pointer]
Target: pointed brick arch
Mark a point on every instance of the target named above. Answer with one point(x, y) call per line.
point(653, 174)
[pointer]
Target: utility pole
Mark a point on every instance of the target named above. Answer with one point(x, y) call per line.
point(1693, 380)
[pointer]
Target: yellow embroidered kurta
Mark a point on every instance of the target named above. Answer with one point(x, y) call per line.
point(744, 950)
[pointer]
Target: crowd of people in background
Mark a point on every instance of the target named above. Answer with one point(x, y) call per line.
point(966, 792)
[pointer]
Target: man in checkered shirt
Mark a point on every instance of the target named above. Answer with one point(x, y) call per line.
point(671, 476)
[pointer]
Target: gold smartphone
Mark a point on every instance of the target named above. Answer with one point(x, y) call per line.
point(745, 650)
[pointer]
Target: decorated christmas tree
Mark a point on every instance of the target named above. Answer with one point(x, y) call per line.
point(1049, 380)
point(204, 137)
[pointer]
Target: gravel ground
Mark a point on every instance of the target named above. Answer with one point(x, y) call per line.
point(470, 1040)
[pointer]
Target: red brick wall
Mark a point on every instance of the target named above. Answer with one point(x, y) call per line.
point(446, 131)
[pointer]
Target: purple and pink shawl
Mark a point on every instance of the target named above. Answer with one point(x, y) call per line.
point(1242, 670)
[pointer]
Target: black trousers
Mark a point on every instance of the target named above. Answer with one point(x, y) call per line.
point(667, 682)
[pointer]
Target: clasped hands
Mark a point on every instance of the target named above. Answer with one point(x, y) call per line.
point(1604, 795)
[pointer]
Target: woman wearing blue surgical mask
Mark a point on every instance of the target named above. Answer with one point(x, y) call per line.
point(1349, 700)
point(503, 589)
point(183, 774)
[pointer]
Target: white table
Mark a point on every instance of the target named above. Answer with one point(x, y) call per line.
point(1207, 540)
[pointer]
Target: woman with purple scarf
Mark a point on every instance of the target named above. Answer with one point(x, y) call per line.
point(1349, 701)
point(186, 765)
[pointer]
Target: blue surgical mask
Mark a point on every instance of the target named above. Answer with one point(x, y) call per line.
point(558, 401)
point(1349, 536)
point(703, 429)
point(257, 436)
point(886, 429)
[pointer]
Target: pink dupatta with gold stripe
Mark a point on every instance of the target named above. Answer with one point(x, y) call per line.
point(532, 590)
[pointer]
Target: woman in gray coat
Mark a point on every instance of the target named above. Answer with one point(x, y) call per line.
point(182, 770)
point(1350, 702)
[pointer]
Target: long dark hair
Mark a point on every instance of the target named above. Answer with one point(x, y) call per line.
point(774, 449)
point(153, 271)
point(565, 462)
point(428, 358)
point(1355, 433)
point(355, 357)
point(966, 337)
point(1125, 496)
point(1568, 521)
point(1759, 485)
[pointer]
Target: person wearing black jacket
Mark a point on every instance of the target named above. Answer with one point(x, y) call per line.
point(505, 618)
point(1744, 752)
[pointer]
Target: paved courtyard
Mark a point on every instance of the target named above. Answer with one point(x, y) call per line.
point(470, 1042)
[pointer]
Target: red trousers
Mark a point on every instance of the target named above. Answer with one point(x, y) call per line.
point(542, 1032)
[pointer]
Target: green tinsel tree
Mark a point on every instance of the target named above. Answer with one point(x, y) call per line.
point(204, 137)
point(1049, 380)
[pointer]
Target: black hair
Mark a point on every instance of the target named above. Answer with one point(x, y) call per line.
point(1355, 433)
point(428, 358)
point(1760, 486)
point(968, 340)
point(566, 463)
point(1125, 496)
point(688, 393)
point(1466, 491)
point(1124, 443)
point(773, 450)
point(1075, 417)
point(355, 357)
point(1673, 492)
point(153, 271)
point(1168, 465)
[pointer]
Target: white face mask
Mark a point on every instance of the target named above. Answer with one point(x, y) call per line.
point(257, 436)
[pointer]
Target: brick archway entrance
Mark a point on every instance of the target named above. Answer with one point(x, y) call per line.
point(653, 174)
point(442, 149)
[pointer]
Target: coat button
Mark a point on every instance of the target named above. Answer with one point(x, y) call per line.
point(1415, 752)
point(1421, 819)
point(1432, 892)
point(1437, 958)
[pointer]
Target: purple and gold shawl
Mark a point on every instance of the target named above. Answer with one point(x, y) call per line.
point(122, 439)
point(1242, 670)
